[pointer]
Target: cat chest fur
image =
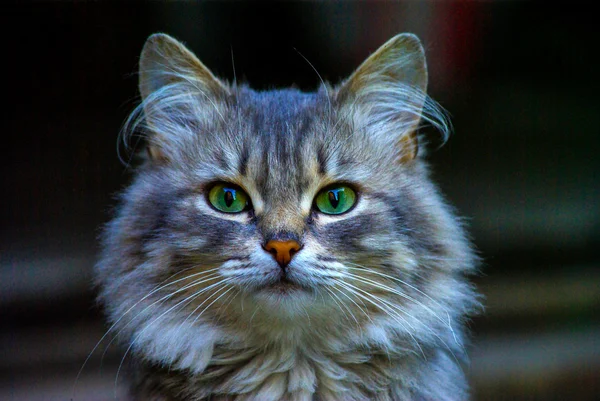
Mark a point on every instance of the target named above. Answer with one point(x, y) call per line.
point(304, 374)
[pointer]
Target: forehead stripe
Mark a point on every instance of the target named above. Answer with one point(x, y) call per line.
point(322, 160)
point(243, 162)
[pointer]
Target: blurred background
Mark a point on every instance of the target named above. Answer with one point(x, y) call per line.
point(520, 80)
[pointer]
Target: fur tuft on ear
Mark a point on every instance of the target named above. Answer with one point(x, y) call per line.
point(178, 93)
point(165, 61)
point(387, 95)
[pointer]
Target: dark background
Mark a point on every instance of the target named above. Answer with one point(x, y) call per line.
point(520, 80)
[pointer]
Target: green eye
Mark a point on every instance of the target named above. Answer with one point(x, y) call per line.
point(335, 199)
point(228, 198)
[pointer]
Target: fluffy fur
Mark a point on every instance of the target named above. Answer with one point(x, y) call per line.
point(379, 295)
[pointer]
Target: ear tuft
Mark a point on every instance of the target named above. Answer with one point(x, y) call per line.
point(387, 93)
point(164, 61)
point(179, 94)
point(400, 59)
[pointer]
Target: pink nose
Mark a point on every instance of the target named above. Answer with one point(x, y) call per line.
point(282, 251)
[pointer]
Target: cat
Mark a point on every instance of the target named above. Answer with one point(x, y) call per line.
point(283, 245)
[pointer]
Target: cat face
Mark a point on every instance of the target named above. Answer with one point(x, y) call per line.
point(285, 156)
point(281, 204)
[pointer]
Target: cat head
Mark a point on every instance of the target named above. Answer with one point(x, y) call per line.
point(262, 205)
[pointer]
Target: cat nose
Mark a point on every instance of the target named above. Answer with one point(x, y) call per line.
point(282, 251)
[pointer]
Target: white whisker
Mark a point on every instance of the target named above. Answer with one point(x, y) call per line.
point(161, 300)
point(133, 342)
point(209, 305)
point(222, 282)
point(320, 78)
point(159, 287)
point(401, 310)
point(358, 306)
point(369, 270)
point(395, 291)
point(385, 308)
point(339, 303)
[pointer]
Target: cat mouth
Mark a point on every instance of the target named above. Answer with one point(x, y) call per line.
point(283, 285)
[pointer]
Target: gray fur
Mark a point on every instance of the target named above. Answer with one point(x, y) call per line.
point(381, 294)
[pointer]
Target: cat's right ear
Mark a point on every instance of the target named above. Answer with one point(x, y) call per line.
point(386, 95)
point(173, 84)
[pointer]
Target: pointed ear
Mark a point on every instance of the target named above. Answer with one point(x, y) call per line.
point(177, 91)
point(388, 91)
point(165, 61)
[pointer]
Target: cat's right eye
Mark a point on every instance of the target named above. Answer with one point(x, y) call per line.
point(335, 199)
point(228, 198)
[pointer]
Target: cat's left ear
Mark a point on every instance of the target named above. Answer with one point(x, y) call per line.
point(175, 86)
point(387, 92)
point(164, 60)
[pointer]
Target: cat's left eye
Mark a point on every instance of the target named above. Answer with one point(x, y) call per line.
point(335, 199)
point(228, 198)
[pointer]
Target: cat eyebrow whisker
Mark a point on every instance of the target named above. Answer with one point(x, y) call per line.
point(233, 66)
point(320, 78)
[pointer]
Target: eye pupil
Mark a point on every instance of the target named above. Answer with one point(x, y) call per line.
point(229, 196)
point(334, 198)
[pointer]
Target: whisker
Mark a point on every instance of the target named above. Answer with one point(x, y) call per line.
point(361, 309)
point(154, 321)
point(394, 315)
point(320, 78)
point(307, 315)
point(194, 296)
point(431, 330)
point(358, 325)
point(392, 290)
point(370, 270)
point(161, 301)
point(233, 66)
point(337, 300)
point(159, 287)
point(230, 298)
point(438, 304)
point(375, 296)
point(213, 294)
point(224, 282)
point(254, 313)
point(209, 305)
